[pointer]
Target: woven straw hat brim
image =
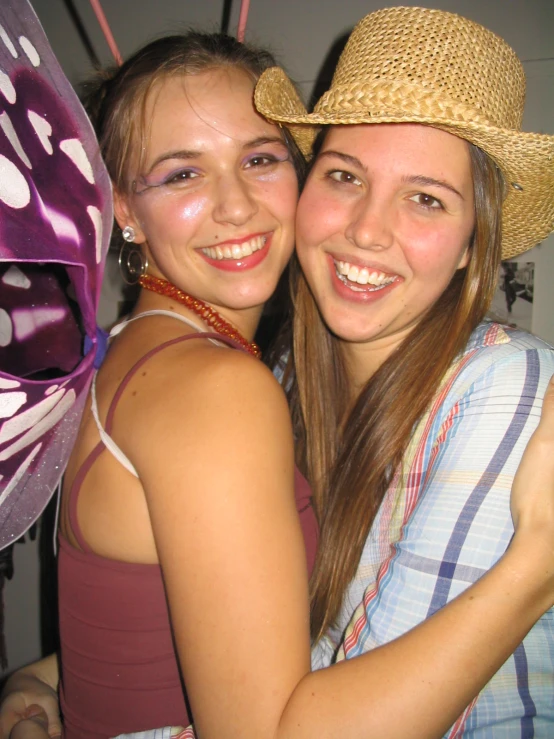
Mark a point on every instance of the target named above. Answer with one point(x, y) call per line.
point(525, 159)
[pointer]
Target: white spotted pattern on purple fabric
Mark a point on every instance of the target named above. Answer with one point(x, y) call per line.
point(42, 129)
point(14, 189)
point(18, 474)
point(6, 87)
point(29, 49)
point(10, 403)
point(55, 220)
point(96, 218)
point(7, 126)
point(6, 328)
point(73, 148)
point(15, 277)
point(8, 42)
point(6, 384)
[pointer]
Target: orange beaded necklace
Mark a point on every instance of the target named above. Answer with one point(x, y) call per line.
point(208, 314)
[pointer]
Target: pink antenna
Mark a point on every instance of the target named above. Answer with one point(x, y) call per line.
point(243, 17)
point(106, 31)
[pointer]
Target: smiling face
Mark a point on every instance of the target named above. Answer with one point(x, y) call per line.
point(383, 224)
point(214, 195)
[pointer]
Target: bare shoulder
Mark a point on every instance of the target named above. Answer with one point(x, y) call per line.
point(186, 395)
point(189, 371)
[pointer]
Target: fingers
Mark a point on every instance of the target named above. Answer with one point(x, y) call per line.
point(34, 726)
point(31, 707)
point(52, 713)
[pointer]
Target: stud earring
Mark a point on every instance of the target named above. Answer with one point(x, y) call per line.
point(128, 234)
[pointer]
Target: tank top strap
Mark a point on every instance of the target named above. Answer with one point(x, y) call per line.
point(106, 441)
point(118, 328)
point(104, 433)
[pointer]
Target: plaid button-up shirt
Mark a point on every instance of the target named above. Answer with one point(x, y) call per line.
point(446, 520)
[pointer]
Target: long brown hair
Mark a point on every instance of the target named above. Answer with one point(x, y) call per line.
point(351, 449)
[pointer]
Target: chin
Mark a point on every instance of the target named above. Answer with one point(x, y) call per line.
point(351, 334)
point(347, 327)
point(242, 299)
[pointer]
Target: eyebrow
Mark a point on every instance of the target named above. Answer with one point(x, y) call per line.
point(408, 179)
point(354, 161)
point(191, 154)
point(431, 181)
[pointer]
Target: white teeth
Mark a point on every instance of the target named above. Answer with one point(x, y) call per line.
point(350, 273)
point(353, 273)
point(236, 251)
point(363, 277)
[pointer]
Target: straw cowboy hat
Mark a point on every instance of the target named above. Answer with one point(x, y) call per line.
point(426, 66)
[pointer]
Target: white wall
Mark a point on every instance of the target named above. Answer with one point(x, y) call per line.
point(21, 603)
point(539, 117)
point(301, 32)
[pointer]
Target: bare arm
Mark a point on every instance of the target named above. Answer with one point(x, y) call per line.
point(423, 680)
point(238, 599)
point(217, 466)
point(417, 685)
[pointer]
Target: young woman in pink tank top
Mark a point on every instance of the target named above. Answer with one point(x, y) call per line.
point(182, 554)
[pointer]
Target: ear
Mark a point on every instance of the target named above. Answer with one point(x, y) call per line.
point(125, 216)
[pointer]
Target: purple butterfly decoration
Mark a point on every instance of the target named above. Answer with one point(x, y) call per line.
point(55, 224)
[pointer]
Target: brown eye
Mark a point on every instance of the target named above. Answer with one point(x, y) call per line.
point(347, 178)
point(260, 161)
point(427, 201)
point(182, 176)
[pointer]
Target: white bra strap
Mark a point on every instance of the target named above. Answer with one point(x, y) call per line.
point(107, 440)
point(117, 329)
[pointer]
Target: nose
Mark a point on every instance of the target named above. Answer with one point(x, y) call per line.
point(234, 201)
point(370, 226)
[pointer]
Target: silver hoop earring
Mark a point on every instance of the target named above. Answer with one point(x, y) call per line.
point(128, 234)
point(132, 263)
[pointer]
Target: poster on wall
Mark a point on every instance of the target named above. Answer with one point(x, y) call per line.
point(513, 300)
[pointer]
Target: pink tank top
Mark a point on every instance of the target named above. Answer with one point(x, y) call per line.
point(119, 669)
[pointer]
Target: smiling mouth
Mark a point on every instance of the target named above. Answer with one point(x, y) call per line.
point(236, 251)
point(361, 279)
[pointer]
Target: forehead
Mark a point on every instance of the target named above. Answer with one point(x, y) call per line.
point(217, 101)
point(400, 146)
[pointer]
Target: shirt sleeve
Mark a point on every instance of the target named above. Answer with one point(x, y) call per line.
point(461, 525)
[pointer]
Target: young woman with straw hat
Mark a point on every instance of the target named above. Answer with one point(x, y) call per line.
point(422, 180)
point(420, 683)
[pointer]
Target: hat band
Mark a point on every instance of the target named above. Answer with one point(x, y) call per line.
point(401, 100)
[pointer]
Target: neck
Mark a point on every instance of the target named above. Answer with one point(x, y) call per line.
point(246, 321)
point(365, 358)
point(173, 298)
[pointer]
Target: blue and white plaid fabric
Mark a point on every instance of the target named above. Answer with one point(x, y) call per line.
point(446, 520)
